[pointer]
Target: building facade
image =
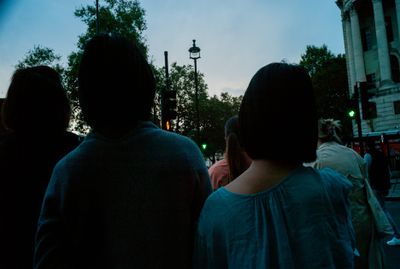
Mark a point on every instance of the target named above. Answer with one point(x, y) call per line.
point(371, 30)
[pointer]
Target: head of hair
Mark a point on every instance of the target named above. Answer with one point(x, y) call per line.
point(116, 84)
point(237, 161)
point(36, 101)
point(277, 117)
point(328, 130)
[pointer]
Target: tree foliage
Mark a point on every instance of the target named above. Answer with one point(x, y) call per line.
point(329, 76)
point(213, 111)
point(40, 55)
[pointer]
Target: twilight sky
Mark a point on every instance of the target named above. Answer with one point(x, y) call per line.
point(236, 37)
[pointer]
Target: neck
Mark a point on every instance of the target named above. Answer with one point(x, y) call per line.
point(262, 175)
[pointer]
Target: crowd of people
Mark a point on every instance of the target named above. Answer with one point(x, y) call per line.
point(130, 195)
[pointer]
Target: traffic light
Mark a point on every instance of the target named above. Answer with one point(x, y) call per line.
point(368, 108)
point(352, 107)
point(204, 146)
point(168, 108)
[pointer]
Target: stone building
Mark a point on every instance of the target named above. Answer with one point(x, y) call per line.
point(371, 30)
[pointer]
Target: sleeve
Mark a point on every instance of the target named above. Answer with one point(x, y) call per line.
point(50, 243)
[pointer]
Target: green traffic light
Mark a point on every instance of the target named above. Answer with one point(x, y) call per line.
point(204, 146)
point(352, 113)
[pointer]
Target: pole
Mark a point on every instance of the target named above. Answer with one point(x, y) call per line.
point(358, 119)
point(197, 101)
point(163, 89)
point(97, 16)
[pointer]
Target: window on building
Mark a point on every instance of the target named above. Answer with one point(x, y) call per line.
point(366, 38)
point(389, 28)
point(396, 105)
point(394, 64)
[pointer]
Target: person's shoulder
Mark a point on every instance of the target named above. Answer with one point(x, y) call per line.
point(216, 206)
point(163, 136)
point(218, 164)
point(333, 178)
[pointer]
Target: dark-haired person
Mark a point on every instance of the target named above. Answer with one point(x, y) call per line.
point(278, 214)
point(129, 196)
point(331, 153)
point(36, 114)
point(235, 160)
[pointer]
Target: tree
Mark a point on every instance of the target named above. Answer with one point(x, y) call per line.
point(182, 80)
point(315, 58)
point(122, 17)
point(214, 111)
point(329, 77)
point(40, 55)
point(217, 111)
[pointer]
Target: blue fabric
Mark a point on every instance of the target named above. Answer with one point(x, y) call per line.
point(303, 222)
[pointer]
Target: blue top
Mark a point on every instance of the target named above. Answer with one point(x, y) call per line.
point(302, 222)
point(123, 203)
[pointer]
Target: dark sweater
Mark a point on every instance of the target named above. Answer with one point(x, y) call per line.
point(124, 203)
point(26, 163)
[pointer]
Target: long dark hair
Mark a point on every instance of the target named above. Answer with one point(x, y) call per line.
point(237, 161)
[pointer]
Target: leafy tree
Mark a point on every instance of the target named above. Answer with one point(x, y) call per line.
point(123, 17)
point(315, 58)
point(40, 55)
point(217, 111)
point(329, 76)
point(182, 80)
point(213, 111)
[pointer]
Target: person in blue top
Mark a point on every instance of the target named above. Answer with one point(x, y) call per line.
point(278, 214)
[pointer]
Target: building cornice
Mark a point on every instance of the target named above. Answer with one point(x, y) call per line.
point(348, 5)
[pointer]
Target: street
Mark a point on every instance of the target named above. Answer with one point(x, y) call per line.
point(392, 253)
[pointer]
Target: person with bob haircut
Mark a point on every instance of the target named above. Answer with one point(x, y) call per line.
point(36, 115)
point(278, 214)
point(129, 196)
point(235, 160)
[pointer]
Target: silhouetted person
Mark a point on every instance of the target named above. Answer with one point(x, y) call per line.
point(129, 196)
point(278, 214)
point(235, 160)
point(36, 114)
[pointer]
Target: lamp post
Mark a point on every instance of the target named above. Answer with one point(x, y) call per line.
point(194, 53)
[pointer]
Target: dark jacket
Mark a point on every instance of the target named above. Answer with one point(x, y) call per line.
point(26, 164)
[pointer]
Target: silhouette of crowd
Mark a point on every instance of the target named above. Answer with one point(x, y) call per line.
point(286, 195)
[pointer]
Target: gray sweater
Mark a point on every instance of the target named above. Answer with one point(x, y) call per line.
point(123, 203)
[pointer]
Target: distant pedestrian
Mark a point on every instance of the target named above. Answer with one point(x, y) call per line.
point(379, 178)
point(130, 195)
point(349, 163)
point(235, 160)
point(278, 214)
point(36, 114)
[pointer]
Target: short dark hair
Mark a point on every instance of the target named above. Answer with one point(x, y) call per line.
point(237, 162)
point(277, 117)
point(36, 100)
point(116, 84)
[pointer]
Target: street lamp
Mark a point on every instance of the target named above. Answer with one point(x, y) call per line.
point(194, 53)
